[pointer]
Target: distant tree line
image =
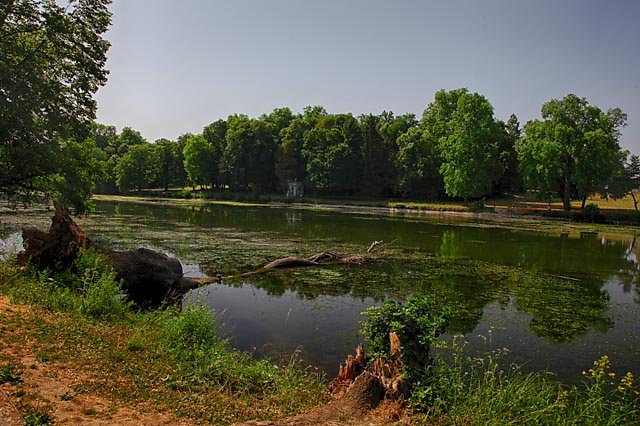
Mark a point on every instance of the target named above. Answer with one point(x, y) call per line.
point(458, 149)
point(52, 58)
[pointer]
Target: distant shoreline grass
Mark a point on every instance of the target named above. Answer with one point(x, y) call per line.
point(554, 223)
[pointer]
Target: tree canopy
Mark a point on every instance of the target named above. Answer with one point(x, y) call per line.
point(584, 141)
point(52, 58)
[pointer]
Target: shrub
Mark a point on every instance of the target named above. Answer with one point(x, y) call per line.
point(591, 213)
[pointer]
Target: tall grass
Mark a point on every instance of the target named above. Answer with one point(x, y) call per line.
point(479, 391)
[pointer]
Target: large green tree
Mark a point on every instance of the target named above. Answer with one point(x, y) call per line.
point(52, 58)
point(332, 151)
point(249, 157)
point(290, 164)
point(199, 161)
point(418, 163)
point(216, 136)
point(468, 138)
point(511, 180)
point(170, 164)
point(138, 168)
point(586, 140)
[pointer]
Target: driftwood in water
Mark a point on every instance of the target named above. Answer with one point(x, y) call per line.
point(148, 277)
point(315, 260)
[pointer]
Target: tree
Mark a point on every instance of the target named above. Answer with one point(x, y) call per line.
point(626, 180)
point(170, 163)
point(468, 138)
point(332, 151)
point(290, 164)
point(199, 161)
point(511, 179)
point(540, 161)
point(138, 168)
point(585, 139)
point(249, 157)
point(85, 165)
point(216, 136)
point(52, 61)
point(129, 137)
point(390, 128)
point(418, 163)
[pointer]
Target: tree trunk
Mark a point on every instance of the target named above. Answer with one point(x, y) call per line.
point(566, 196)
point(635, 201)
point(584, 202)
point(148, 278)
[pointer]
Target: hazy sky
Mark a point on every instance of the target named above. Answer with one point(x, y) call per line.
point(177, 65)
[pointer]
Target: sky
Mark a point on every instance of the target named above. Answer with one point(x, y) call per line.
point(176, 66)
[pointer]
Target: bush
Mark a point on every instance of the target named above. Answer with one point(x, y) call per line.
point(591, 213)
point(187, 332)
point(88, 288)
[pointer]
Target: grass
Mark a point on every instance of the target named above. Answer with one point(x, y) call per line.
point(167, 359)
point(173, 361)
point(480, 391)
point(527, 201)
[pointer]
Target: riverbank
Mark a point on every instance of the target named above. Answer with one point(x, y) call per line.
point(76, 355)
point(72, 355)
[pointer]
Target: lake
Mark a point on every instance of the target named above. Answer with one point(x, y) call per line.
point(556, 300)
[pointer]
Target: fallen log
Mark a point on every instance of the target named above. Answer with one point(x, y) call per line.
point(148, 278)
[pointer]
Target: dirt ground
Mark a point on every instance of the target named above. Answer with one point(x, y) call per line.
point(53, 386)
point(63, 389)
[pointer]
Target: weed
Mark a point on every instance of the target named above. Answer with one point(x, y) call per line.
point(9, 373)
point(38, 418)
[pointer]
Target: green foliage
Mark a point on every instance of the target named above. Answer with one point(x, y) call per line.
point(418, 163)
point(249, 157)
point(591, 213)
point(581, 141)
point(53, 60)
point(626, 179)
point(199, 161)
point(138, 167)
point(189, 332)
point(89, 288)
point(479, 391)
point(38, 418)
point(468, 138)
point(511, 180)
point(171, 164)
point(417, 322)
point(332, 151)
point(290, 163)
point(85, 165)
point(540, 160)
point(9, 373)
